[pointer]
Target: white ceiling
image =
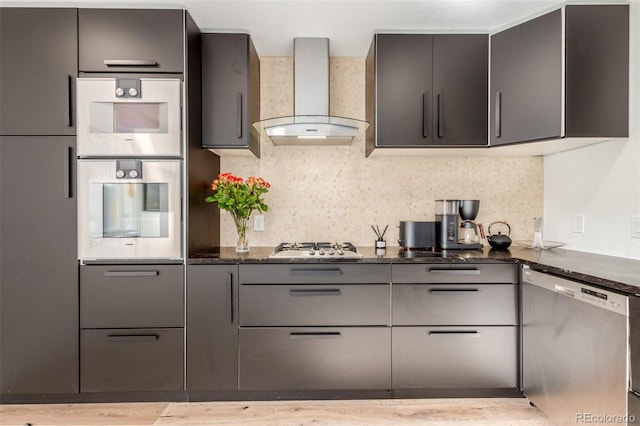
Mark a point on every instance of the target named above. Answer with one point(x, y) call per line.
point(349, 24)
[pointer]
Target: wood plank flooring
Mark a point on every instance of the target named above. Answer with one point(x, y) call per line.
point(435, 412)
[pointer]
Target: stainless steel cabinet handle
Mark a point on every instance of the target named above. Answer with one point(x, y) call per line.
point(67, 103)
point(130, 63)
point(316, 292)
point(437, 291)
point(239, 116)
point(454, 333)
point(458, 271)
point(230, 286)
point(318, 271)
point(132, 337)
point(68, 162)
point(440, 115)
point(315, 335)
point(425, 115)
point(498, 115)
point(131, 273)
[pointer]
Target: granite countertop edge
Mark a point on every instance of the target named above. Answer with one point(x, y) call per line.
point(609, 272)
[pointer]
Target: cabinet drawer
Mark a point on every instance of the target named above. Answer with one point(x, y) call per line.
point(454, 273)
point(128, 296)
point(304, 305)
point(316, 273)
point(454, 357)
point(131, 360)
point(315, 358)
point(454, 304)
point(130, 40)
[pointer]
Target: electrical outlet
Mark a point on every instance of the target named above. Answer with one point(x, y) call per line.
point(635, 226)
point(258, 222)
point(578, 223)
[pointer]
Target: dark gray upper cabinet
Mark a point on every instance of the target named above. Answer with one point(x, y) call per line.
point(527, 76)
point(38, 66)
point(427, 90)
point(212, 327)
point(131, 40)
point(460, 87)
point(230, 92)
point(38, 266)
point(403, 86)
point(526, 81)
point(597, 68)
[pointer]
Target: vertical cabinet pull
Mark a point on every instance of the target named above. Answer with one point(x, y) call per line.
point(498, 115)
point(230, 286)
point(67, 103)
point(425, 115)
point(68, 164)
point(239, 116)
point(440, 115)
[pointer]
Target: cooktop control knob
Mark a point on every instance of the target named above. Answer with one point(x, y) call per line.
point(119, 174)
point(119, 92)
point(321, 252)
point(133, 173)
point(133, 92)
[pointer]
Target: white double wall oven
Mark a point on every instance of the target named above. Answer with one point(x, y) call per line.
point(130, 161)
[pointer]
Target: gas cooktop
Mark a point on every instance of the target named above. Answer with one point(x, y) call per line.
point(319, 250)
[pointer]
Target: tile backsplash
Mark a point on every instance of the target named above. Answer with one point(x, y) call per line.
point(335, 193)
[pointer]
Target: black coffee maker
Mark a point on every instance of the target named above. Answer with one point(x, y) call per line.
point(451, 234)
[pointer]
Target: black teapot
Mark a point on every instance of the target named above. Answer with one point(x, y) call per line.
point(499, 241)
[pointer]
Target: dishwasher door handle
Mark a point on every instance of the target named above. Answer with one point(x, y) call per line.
point(564, 290)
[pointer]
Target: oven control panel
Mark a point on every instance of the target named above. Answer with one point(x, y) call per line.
point(129, 169)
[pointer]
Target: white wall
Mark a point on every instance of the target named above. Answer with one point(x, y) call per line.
point(600, 181)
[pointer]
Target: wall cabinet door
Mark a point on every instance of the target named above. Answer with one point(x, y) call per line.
point(526, 81)
point(38, 266)
point(460, 89)
point(38, 66)
point(230, 92)
point(404, 95)
point(131, 40)
point(212, 327)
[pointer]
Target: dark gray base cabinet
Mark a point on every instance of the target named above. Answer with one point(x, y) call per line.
point(123, 360)
point(132, 335)
point(212, 327)
point(454, 357)
point(315, 358)
point(38, 266)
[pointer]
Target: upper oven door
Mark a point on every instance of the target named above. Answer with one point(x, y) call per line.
point(129, 209)
point(129, 117)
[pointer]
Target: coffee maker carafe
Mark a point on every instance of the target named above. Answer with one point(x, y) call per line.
point(450, 233)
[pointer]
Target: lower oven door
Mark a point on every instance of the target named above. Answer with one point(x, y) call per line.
point(129, 209)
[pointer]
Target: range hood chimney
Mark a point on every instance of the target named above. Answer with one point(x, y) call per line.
point(311, 123)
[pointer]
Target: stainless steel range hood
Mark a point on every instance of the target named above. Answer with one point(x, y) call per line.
point(311, 124)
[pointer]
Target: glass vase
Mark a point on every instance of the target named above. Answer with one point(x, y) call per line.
point(242, 242)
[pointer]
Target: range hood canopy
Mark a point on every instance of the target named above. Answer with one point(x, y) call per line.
point(311, 124)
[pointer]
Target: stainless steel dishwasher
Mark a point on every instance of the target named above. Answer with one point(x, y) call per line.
point(575, 351)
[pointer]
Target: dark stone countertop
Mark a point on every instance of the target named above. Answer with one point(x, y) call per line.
point(609, 272)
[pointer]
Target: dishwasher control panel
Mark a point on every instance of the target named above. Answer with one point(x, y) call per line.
point(573, 289)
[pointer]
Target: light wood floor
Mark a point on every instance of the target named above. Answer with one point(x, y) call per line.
point(449, 412)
